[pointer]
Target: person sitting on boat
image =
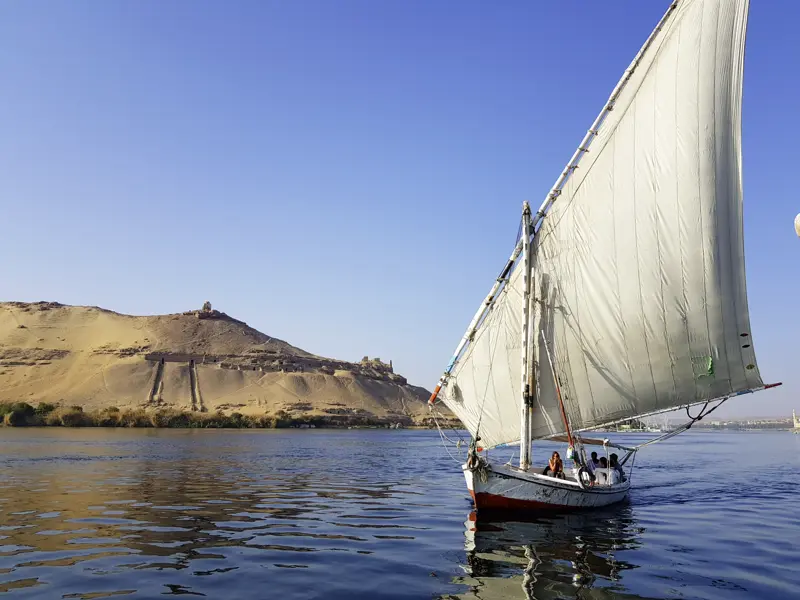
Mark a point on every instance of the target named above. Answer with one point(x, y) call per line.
point(588, 466)
point(601, 471)
point(594, 463)
point(614, 464)
point(554, 468)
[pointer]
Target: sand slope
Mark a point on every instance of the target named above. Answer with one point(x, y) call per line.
point(203, 361)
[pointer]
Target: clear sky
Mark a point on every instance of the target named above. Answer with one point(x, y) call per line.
point(344, 174)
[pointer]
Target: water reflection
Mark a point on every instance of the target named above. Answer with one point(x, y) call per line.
point(578, 555)
point(192, 518)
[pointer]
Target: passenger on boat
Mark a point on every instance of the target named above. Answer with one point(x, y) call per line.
point(601, 472)
point(614, 464)
point(594, 462)
point(554, 468)
point(589, 467)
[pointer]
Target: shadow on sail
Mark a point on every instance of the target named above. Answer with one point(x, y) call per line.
point(546, 558)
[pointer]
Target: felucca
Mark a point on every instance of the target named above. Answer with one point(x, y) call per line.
point(625, 294)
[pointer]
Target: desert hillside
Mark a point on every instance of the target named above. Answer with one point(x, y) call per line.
point(196, 361)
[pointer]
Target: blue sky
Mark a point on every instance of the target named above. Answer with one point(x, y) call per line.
point(346, 175)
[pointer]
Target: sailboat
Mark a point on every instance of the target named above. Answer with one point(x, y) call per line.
point(624, 296)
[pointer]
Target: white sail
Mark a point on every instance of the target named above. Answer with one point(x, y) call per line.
point(639, 276)
point(484, 387)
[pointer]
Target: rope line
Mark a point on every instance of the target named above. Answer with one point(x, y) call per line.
point(704, 412)
point(460, 442)
point(444, 443)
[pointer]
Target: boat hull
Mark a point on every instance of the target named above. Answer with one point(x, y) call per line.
point(508, 488)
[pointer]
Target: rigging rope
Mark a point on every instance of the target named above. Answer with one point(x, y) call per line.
point(558, 391)
point(444, 443)
point(461, 441)
point(704, 412)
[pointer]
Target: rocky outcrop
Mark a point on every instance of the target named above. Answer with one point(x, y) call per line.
point(10, 357)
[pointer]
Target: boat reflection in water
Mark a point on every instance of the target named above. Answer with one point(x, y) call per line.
point(576, 555)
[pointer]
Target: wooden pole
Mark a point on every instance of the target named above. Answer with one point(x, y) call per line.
point(525, 392)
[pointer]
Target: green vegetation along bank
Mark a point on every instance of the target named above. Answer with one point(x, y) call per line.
point(22, 414)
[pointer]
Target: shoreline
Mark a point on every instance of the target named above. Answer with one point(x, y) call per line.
point(22, 414)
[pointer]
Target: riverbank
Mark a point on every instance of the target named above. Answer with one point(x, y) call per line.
point(22, 414)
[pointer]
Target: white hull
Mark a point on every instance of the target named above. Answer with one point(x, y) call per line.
point(509, 488)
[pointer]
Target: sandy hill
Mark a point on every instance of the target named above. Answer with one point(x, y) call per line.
point(201, 360)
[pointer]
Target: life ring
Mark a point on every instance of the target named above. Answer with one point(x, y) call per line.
point(587, 481)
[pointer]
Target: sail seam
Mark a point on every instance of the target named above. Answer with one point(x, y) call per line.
point(578, 293)
point(619, 311)
point(704, 300)
point(657, 228)
point(681, 219)
point(641, 316)
point(717, 209)
point(567, 359)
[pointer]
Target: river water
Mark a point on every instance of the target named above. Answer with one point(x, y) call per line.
point(96, 513)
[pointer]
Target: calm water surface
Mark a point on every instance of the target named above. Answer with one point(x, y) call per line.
point(360, 514)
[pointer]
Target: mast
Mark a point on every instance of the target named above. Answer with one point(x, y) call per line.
point(531, 383)
point(525, 404)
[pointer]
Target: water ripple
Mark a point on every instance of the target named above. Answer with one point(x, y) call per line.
point(138, 514)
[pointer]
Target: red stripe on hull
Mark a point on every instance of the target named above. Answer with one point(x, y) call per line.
point(494, 502)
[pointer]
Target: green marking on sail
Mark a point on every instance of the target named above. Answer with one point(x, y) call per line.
point(703, 366)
